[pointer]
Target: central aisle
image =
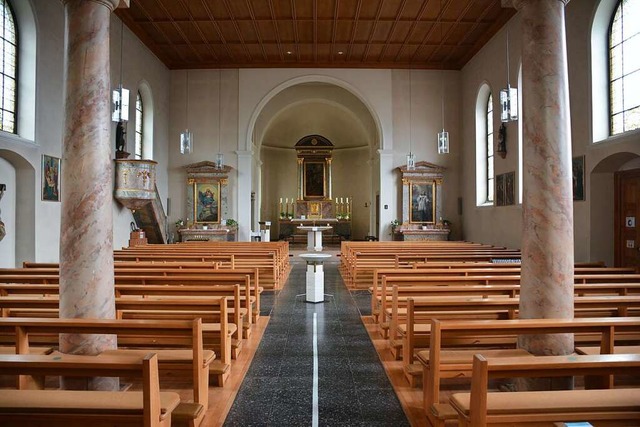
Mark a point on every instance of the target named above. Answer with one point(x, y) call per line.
point(352, 386)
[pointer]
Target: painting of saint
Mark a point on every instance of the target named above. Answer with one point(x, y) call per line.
point(50, 178)
point(314, 180)
point(422, 206)
point(206, 202)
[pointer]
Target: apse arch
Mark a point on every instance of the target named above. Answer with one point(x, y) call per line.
point(313, 78)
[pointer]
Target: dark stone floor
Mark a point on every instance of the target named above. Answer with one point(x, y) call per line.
point(353, 388)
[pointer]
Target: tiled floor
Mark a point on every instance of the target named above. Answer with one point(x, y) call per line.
point(353, 388)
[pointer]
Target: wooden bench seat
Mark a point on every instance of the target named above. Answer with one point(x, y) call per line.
point(149, 407)
point(178, 344)
point(481, 407)
point(619, 349)
point(444, 359)
point(146, 308)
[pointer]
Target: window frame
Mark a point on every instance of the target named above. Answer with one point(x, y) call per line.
point(609, 50)
point(16, 43)
point(139, 136)
point(488, 140)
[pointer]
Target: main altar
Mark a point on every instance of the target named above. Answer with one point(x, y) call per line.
point(314, 204)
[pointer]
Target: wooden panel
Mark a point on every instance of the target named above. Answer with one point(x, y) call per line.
point(371, 33)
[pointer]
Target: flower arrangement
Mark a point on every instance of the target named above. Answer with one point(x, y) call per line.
point(395, 223)
point(179, 223)
point(232, 222)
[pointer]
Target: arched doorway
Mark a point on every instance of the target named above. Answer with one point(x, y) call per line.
point(602, 203)
point(317, 108)
point(17, 209)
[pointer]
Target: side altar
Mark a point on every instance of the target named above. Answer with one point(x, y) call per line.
point(422, 203)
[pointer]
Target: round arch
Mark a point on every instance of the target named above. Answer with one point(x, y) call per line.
point(600, 192)
point(23, 217)
point(312, 78)
point(147, 118)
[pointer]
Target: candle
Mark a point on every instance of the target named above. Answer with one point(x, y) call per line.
point(280, 200)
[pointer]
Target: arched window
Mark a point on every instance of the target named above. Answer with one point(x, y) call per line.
point(8, 68)
point(489, 142)
point(624, 67)
point(484, 147)
point(139, 127)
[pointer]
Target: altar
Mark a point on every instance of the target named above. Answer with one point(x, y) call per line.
point(314, 205)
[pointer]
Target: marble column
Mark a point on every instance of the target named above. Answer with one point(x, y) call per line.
point(547, 236)
point(300, 179)
point(330, 179)
point(86, 238)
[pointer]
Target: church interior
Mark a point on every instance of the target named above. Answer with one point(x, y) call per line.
point(320, 212)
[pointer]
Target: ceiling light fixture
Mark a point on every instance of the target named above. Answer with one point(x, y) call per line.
point(508, 96)
point(443, 136)
point(411, 158)
point(219, 156)
point(186, 137)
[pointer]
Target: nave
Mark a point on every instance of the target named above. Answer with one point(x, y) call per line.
point(351, 384)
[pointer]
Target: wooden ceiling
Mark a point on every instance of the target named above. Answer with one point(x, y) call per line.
point(431, 34)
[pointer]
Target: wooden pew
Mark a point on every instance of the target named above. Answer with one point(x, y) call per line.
point(178, 343)
point(70, 408)
point(452, 344)
point(481, 407)
point(213, 311)
point(421, 310)
point(50, 274)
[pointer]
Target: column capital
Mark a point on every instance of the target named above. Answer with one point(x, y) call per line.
point(517, 4)
point(110, 4)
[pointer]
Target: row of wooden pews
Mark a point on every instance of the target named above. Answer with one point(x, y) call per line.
point(358, 260)
point(156, 290)
point(459, 319)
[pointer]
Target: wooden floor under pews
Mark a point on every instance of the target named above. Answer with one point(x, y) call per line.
point(404, 269)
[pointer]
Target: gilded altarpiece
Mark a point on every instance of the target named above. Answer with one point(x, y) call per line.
point(208, 202)
point(422, 202)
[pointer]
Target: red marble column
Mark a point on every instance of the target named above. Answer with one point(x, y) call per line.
point(86, 238)
point(547, 238)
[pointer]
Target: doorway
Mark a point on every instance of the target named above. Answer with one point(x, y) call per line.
point(626, 217)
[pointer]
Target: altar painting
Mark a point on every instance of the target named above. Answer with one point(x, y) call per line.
point(206, 197)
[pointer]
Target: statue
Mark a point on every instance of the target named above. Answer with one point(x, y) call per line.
point(121, 141)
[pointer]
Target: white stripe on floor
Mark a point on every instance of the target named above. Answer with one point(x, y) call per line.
point(314, 414)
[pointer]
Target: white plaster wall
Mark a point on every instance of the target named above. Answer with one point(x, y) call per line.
point(423, 106)
point(352, 178)
point(140, 66)
point(7, 215)
point(503, 225)
point(48, 118)
point(212, 129)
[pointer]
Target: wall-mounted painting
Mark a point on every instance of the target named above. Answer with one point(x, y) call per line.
point(206, 198)
point(422, 196)
point(314, 180)
point(499, 194)
point(509, 188)
point(578, 178)
point(50, 178)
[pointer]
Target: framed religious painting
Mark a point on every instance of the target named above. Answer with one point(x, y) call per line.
point(50, 178)
point(499, 193)
point(206, 202)
point(509, 188)
point(422, 196)
point(578, 178)
point(314, 180)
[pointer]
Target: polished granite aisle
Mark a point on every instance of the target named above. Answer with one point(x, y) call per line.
point(353, 389)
